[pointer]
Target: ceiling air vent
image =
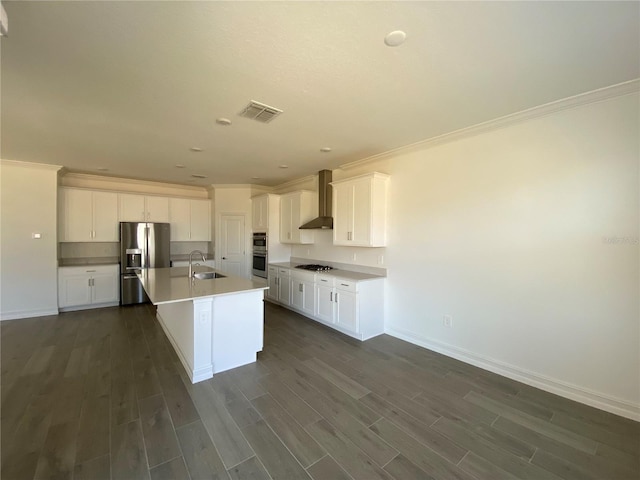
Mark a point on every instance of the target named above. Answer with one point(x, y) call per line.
point(260, 112)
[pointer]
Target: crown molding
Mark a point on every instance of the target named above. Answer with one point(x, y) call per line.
point(216, 186)
point(41, 166)
point(594, 96)
point(297, 181)
point(132, 181)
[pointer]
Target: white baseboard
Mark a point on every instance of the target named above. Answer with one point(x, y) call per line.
point(89, 307)
point(564, 389)
point(28, 314)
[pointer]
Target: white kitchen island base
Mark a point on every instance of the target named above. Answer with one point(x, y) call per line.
point(214, 323)
point(214, 334)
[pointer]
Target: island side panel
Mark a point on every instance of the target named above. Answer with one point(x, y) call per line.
point(238, 329)
point(188, 327)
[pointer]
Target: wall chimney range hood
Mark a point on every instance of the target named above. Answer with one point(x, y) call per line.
point(324, 219)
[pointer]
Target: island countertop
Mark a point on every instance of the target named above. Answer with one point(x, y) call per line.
point(170, 285)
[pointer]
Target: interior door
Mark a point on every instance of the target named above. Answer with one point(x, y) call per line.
point(232, 245)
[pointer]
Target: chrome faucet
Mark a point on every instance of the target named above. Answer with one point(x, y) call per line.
point(191, 261)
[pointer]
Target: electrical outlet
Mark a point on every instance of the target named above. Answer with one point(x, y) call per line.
point(308, 252)
point(447, 321)
point(380, 259)
point(354, 257)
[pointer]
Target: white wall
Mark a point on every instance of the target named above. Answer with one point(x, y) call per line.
point(504, 231)
point(28, 267)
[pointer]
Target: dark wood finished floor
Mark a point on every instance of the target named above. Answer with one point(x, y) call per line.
point(100, 395)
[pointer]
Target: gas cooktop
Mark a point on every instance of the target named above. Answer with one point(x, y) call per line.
point(315, 268)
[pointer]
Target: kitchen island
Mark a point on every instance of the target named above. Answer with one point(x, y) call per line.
point(214, 324)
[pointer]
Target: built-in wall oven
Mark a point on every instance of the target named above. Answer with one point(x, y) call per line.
point(259, 268)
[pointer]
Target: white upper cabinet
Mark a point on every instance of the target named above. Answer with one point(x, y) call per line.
point(190, 220)
point(143, 208)
point(297, 208)
point(260, 213)
point(88, 216)
point(360, 211)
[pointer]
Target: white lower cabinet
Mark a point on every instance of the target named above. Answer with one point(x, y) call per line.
point(279, 285)
point(185, 263)
point(355, 308)
point(272, 292)
point(88, 287)
point(302, 292)
point(284, 286)
point(324, 292)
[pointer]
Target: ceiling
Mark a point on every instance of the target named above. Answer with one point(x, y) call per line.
point(131, 87)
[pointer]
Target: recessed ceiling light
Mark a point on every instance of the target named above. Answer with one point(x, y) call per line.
point(179, 166)
point(325, 149)
point(256, 178)
point(283, 166)
point(223, 121)
point(195, 149)
point(102, 169)
point(197, 175)
point(395, 38)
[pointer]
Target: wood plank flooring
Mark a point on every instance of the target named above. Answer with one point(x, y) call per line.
point(100, 394)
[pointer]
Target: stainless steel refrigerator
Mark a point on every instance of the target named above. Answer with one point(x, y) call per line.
point(142, 245)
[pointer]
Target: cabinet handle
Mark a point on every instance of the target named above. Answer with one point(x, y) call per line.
point(344, 284)
point(331, 296)
point(300, 288)
point(336, 297)
point(88, 282)
point(89, 271)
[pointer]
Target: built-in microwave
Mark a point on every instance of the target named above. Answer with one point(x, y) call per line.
point(259, 242)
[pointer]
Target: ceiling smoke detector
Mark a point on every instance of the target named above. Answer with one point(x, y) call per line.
point(260, 112)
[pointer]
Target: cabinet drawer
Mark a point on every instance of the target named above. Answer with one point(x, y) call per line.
point(346, 285)
point(284, 272)
point(272, 270)
point(326, 280)
point(89, 269)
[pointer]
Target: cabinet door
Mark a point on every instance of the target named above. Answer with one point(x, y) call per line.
point(343, 214)
point(284, 290)
point(157, 209)
point(308, 298)
point(74, 289)
point(361, 213)
point(105, 288)
point(272, 293)
point(346, 310)
point(324, 303)
point(286, 204)
point(200, 220)
point(105, 217)
point(78, 215)
point(132, 208)
point(297, 293)
point(180, 218)
point(259, 213)
point(295, 219)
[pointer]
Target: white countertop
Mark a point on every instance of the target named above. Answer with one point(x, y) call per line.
point(170, 285)
point(336, 272)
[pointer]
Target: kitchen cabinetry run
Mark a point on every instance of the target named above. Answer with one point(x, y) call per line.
point(88, 287)
point(143, 208)
point(297, 208)
point(355, 308)
point(88, 216)
point(190, 220)
point(360, 211)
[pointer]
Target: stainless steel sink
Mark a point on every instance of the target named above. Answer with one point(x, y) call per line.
point(207, 275)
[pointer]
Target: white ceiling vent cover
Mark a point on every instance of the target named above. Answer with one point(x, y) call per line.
point(260, 112)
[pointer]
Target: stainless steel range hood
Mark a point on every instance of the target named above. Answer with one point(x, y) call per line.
point(324, 219)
